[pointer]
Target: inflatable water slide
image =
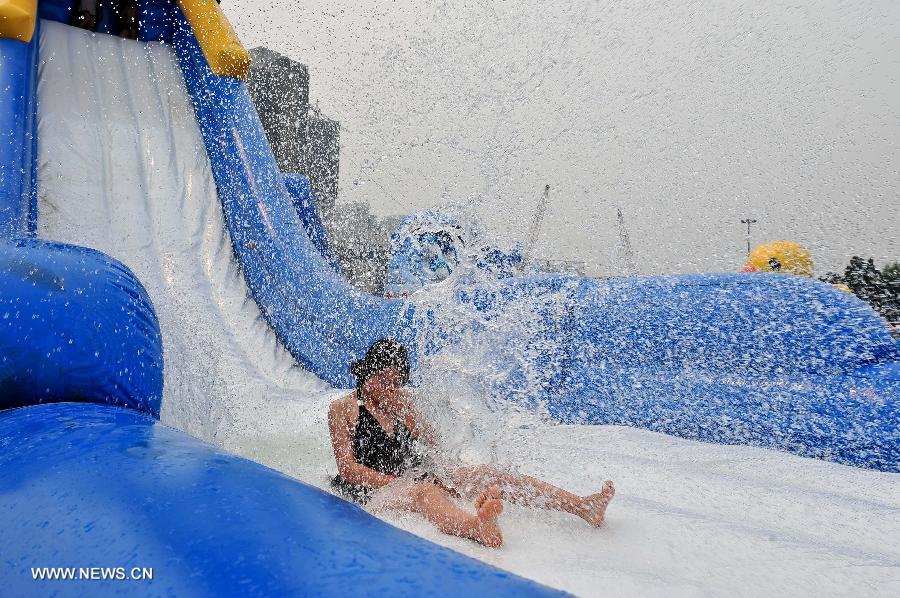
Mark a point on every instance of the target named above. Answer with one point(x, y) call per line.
point(145, 149)
point(154, 263)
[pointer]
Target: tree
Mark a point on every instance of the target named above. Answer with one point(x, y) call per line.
point(878, 288)
point(832, 278)
point(891, 276)
point(891, 272)
point(864, 279)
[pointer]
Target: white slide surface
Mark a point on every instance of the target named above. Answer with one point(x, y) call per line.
point(123, 169)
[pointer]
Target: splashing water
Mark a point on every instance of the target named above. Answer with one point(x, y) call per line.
point(485, 354)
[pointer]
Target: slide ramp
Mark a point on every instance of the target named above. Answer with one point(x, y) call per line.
point(122, 168)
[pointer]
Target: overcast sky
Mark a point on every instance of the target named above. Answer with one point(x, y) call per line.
point(687, 115)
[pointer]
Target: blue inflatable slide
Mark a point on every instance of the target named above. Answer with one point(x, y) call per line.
point(89, 477)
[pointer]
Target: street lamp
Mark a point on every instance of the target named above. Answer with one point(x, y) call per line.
point(748, 222)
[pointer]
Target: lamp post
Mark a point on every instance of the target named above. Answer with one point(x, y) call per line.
point(748, 222)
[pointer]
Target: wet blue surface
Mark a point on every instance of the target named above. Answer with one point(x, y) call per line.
point(99, 486)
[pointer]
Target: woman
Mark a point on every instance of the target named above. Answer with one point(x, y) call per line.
point(376, 433)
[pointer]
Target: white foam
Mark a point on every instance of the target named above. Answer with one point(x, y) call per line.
point(689, 518)
point(123, 169)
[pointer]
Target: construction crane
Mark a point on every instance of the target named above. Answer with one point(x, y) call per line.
point(629, 266)
point(536, 225)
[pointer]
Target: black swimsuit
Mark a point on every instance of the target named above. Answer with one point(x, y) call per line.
point(376, 449)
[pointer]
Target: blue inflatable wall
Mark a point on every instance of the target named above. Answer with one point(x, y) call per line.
point(75, 325)
point(770, 360)
point(300, 190)
point(319, 317)
point(18, 150)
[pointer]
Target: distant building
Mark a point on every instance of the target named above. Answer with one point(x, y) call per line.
point(363, 245)
point(301, 139)
point(306, 142)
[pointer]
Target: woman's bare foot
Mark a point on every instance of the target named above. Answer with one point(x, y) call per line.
point(488, 507)
point(593, 507)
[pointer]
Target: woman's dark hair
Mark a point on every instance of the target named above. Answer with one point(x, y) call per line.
point(383, 354)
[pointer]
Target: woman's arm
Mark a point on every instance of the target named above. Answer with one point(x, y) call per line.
point(339, 424)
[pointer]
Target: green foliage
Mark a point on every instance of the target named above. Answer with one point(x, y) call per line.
point(832, 278)
point(891, 272)
point(878, 288)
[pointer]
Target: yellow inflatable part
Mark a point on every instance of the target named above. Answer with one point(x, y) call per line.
point(220, 44)
point(781, 256)
point(17, 19)
point(843, 287)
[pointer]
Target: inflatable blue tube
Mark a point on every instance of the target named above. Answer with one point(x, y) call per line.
point(97, 486)
point(75, 325)
point(319, 317)
point(300, 190)
point(769, 360)
point(18, 137)
point(773, 325)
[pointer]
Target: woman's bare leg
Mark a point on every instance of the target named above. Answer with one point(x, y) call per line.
point(532, 492)
point(435, 504)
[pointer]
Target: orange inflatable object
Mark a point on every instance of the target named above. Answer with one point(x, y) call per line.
point(780, 256)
